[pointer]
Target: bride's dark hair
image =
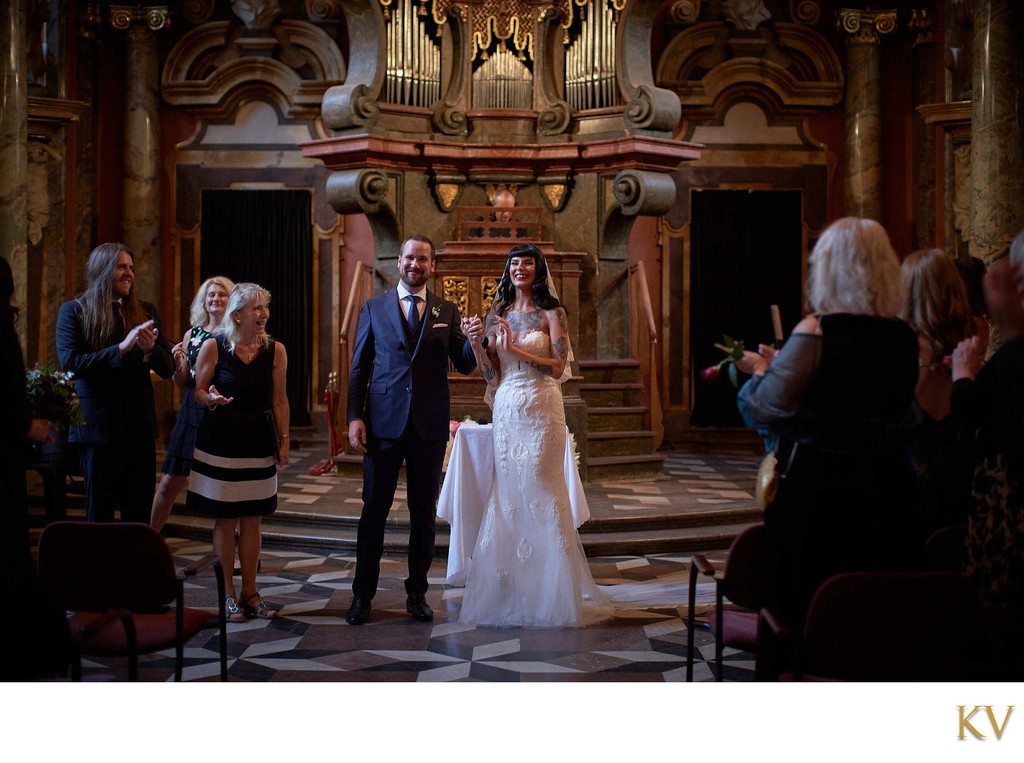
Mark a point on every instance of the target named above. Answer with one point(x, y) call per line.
point(542, 296)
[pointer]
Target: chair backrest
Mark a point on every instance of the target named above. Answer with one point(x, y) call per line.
point(947, 548)
point(741, 581)
point(94, 566)
point(891, 626)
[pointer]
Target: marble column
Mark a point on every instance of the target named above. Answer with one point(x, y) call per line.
point(863, 171)
point(923, 28)
point(140, 217)
point(14, 151)
point(997, 142)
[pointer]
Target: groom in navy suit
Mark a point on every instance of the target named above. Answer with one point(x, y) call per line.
point(398, 412)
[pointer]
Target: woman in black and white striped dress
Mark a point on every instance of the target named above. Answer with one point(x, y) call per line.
point(240, 378)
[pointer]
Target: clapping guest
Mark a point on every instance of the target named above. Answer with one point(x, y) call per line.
point(937, 308)
point(110, 340)
point(990, 395)
point(208, 308)
point(972, 273)
point(839, 396)
point(243, 438)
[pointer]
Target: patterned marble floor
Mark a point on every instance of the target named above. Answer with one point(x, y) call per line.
point(310, 641)
point(603, 692)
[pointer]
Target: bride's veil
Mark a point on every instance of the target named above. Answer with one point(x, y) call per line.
point(569, 358)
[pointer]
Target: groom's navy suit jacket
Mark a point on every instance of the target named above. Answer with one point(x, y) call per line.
point(393, 373)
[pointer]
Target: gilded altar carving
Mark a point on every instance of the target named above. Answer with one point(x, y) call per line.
point(457, 290)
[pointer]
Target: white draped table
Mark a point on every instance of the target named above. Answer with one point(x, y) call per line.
point(467, 485)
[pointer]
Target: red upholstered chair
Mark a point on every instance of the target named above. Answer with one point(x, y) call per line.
point(740, 583)
point(124, 571)
point(886, 626)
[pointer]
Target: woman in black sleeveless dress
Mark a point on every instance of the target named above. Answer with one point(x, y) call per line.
point(240, 378)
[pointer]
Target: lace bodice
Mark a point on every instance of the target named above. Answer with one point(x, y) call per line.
point(536, 342)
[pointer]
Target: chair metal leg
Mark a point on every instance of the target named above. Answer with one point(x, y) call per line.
point(222, 623)
point(718, 634)
point(691, 604)
point(133, 647)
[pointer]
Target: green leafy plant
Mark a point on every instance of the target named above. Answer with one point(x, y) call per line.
point(51, 394)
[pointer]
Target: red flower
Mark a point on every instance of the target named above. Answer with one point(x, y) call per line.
point(711, 374)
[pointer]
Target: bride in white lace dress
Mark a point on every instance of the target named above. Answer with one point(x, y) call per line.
point(528, 566)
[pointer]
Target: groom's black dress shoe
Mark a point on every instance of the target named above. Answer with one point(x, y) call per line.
point(359, 612)
point(416, 605)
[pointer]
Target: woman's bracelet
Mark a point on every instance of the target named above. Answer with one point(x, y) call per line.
point(211, 406)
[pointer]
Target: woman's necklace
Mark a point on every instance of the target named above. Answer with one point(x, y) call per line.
point(249, 350)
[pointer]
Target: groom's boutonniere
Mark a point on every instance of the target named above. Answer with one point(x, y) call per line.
point(435, 311)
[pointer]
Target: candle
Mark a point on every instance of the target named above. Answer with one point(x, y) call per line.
point(777, 325)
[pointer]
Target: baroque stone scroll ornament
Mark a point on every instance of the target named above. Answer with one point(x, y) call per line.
point(355, 191)
point(639, 192)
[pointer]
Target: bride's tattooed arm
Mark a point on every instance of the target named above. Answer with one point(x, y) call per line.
point(487, 357)
point(551, 322)
point(561, 344)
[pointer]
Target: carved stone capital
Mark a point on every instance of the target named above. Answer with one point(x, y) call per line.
point(347, 106)
point(639, 192)
point(805, 11)
point(684, 11)
point(197, 11)
point(357, 191)
point(324, 10)
point(865, 27)
point(154, 18)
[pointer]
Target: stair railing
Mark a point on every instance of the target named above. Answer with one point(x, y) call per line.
point(643, 345)
point(360, 291)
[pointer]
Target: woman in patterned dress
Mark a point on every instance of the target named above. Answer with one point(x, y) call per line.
point(208, 308)
point(243, 438)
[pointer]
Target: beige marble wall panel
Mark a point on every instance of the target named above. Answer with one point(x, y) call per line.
point(997, 151)
point(862, 185)
point(14, 151)
point(923, 148)
point(46, 237)
point(140, 223)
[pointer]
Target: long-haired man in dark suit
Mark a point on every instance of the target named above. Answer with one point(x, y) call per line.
point(110, 340)
point(398, 411)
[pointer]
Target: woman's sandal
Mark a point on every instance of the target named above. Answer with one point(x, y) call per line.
point(232, 613)
point(256, 607)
